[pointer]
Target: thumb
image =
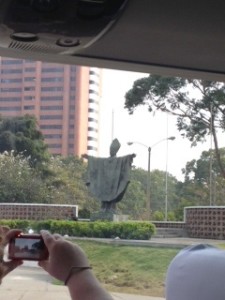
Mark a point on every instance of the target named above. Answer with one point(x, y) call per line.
point(49, 239)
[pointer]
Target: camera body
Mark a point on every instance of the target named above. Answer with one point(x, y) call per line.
point(28, 247)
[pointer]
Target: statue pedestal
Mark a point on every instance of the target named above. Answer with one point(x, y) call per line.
point(108, 216)
point(120, 218)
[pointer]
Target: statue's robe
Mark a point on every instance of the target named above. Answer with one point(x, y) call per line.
point(108, 178)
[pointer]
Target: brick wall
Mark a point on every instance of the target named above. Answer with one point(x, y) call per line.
point(38, 211)
point(169, 224)
point(205, 221)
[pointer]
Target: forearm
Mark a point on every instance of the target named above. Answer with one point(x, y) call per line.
point(84, 286)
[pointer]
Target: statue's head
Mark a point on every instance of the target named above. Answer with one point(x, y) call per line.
point(114, 147)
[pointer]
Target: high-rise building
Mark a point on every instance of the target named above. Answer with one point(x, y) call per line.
point(63, 98)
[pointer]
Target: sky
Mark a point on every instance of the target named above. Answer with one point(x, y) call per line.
point(142, 127)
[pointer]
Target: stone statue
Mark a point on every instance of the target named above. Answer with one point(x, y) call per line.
point(108, 178)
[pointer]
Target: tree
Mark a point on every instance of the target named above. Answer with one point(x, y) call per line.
point(198, 177)
point(21, 135)
point(197, 116)
point(19, 182)
point(68, 179)
point(135, 199)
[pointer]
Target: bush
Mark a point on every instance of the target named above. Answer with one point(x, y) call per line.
point(98, 229)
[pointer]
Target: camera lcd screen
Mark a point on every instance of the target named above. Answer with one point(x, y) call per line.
point(27, 248)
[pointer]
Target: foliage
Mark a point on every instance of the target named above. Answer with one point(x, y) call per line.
point(123, 230)
point(19, 182)
point(197, 116)
point(134, 201)
point(84, 213)
point(199, 180)
point(67, 178)
point(20, 134)
point(158, 216)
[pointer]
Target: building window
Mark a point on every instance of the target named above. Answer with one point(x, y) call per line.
point(27, 98)
point(52, 89)
point(92, 148)
point(10, 108)
point(12, 99)
point(93, 101)
point(92, 120)
point(57, 146)
point(73, 68)
point(28, 79)
point(92, 129)
point(29, 107)
point(93, 92)
point(51, 117)
point(92, 110)
point(12, 62)
point(52, 79)
point(51, 126)
point(56, 107)
point(10, 90)
point(93, 73)
point(52, 136)
point(11, 80)
point(32, 69)
point(90, 138)
point(52, 98)
point(11, 71)
point(52, 70)
point(29, 88)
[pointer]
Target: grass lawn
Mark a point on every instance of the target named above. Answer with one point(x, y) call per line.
point(129, 269)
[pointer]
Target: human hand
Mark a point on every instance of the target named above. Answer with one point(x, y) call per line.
point(62, 256)
point(5, 236)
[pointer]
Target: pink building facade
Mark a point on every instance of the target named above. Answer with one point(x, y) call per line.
point(64, 99)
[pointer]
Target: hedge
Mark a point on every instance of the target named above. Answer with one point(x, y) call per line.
point(98, 229)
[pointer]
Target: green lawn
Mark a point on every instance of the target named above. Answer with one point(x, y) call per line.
point(128, 269)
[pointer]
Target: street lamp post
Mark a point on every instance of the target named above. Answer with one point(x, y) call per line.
point(148, 200)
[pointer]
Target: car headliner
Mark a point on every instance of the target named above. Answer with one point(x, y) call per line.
point(173, 37)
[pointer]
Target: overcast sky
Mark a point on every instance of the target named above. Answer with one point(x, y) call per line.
point(141, 127)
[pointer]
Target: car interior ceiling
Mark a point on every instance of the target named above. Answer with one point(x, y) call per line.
point(174, 37)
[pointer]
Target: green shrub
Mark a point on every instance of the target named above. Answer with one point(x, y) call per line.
point(98, 229)
point(158, 216)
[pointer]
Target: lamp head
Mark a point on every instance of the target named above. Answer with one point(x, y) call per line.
point(172, 138)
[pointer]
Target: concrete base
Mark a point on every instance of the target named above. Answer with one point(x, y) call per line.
point(108, 216)
point(120, 218)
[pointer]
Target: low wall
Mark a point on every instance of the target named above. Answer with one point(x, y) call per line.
point(33, 211)
point(169, 224)
point(199, 221)
point(205, 221)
